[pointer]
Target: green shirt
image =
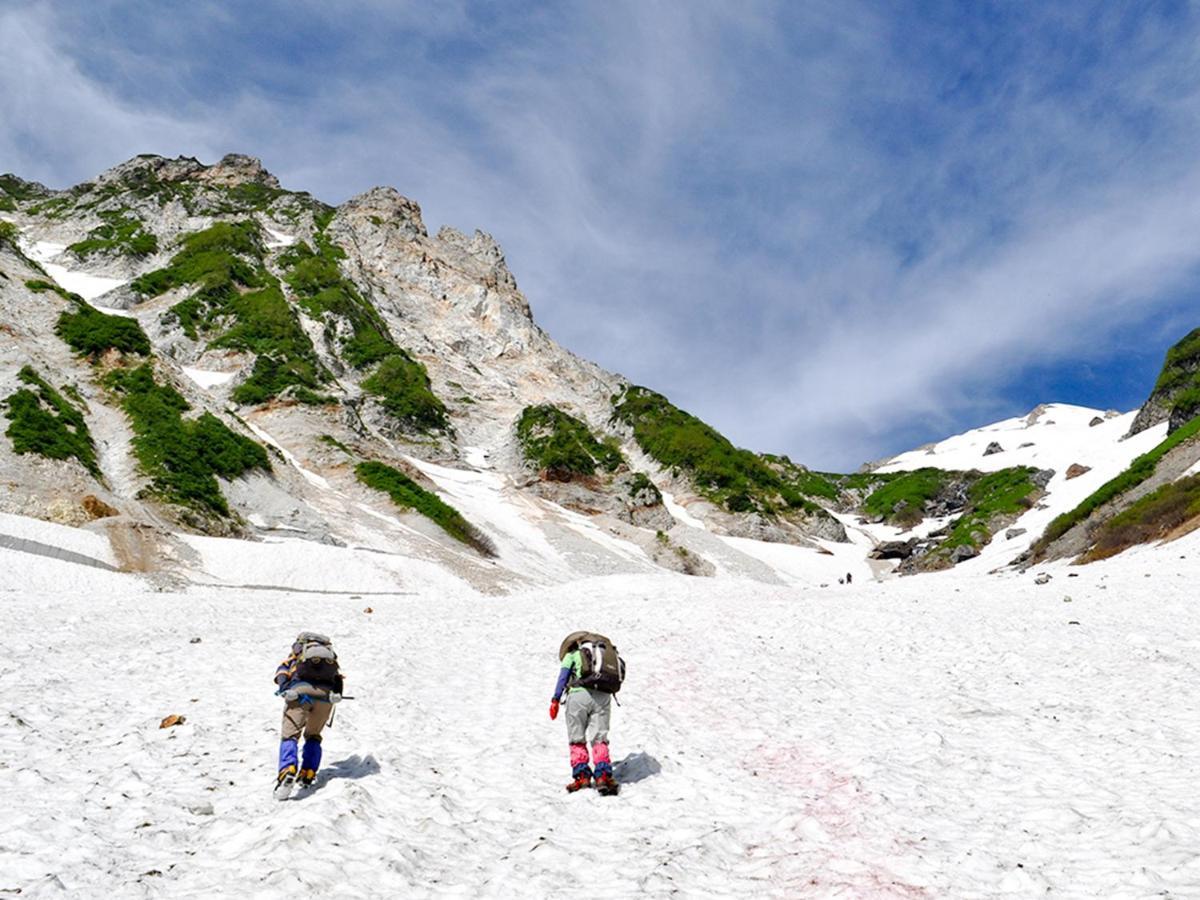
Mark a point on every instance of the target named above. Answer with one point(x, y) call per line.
point(574, 662)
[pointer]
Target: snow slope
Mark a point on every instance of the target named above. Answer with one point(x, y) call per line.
point(1054, 436)
point(961, 735)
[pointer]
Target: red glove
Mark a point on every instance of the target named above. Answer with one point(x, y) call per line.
point(553, 709)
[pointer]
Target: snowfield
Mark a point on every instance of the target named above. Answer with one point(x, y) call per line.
point(950, 735)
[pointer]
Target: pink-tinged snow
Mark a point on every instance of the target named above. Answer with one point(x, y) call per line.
point(1059, 437)
point(85, 284)
point(962, 735)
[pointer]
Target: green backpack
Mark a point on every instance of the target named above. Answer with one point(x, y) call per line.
point(601, 667)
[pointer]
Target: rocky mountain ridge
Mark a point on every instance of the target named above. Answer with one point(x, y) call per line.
point(333, 337)
point(195, 347)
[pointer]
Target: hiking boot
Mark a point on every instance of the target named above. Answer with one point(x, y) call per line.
point(284, 783)
point(306, 777)
point(606, 784)
point(582, 780)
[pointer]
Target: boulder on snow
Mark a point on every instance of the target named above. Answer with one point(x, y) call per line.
point(1075, 470)
point(993, 448)
point(171, 721)
point(963, 552)
point(1096, 420)
point(1044, 578)
point(1013, 533)
point(1042, 477)
point(894, 549)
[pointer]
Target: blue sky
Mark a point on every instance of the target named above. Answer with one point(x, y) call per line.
point(834, 230)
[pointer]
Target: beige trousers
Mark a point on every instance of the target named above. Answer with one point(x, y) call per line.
point(297, 720)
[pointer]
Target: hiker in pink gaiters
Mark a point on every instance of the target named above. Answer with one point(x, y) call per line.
point(591, 673)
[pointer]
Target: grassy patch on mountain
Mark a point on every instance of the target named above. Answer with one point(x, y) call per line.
point(734, 478)
point(804, 480)
point(249, 196)
point(997, 495)
point(408, 494)
point(183, 457)
point(54, 208)
point(9, 235)
point(403, 387)
point(20, 190)
point(318, 285)
point(90, 332)
point(40, 286)
point(120, 233)
point(901, 500)
point(1150, 518)
point(218, 261)
point(1139, 470)
point(242, 305)
point(562, 445)
point(45, 423)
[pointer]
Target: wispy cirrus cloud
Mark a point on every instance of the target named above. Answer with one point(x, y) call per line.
point(830, 229)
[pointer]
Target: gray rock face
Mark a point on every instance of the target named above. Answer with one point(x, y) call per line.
point(993, 448)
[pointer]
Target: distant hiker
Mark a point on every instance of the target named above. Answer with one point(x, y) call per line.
point(311, 683)
point(591, 672)
point(849, 578)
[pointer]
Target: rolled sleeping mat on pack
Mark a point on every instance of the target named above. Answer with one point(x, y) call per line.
point(303, 688)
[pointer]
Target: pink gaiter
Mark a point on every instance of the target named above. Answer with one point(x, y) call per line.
point(599, 754)
point(579, 754)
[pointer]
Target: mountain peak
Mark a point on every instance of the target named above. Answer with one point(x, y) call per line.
point(386, 205)
point(233, 169)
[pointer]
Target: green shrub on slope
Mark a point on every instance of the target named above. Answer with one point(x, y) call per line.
point(735, 478)
point(902, 499)
point(562, 444)
point(45, 423)
point(407, 493)
point(91, 333)
point(319, 287)
point(182, 456)
point(1150, 518)
point(241, 303)
point(404, 390)
point(119, 234)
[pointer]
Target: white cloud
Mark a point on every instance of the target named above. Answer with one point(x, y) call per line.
point(773, 213)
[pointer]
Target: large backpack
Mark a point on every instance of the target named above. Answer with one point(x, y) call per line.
point(601, 667)
point(317, 662)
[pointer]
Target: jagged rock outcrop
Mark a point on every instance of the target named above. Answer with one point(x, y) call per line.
point(1176, 394)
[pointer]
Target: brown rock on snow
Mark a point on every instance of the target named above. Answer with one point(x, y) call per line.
point(1075, 470)
point(171, 721)
point(97, 508)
